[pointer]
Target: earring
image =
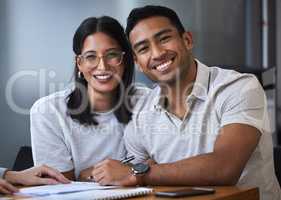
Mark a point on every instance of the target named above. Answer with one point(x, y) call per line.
point(79, 75)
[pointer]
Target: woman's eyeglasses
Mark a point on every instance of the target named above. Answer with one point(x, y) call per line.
point(112, 58)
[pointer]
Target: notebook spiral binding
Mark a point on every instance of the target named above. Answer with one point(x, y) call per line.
point(127, 194)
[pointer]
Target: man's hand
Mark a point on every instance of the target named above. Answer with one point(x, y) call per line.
point(150, 162)
point(42, 175)
point(7, 188)
point(113, 172)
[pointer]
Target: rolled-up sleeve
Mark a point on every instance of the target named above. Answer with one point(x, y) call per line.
point(133, 143)
point(246, 105)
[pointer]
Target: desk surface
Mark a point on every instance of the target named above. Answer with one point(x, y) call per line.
point(222, 193)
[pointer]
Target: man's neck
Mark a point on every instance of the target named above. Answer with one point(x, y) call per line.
point(177, 93)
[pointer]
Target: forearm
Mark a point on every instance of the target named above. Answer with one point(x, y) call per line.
point(205, 169)
point(13, 177)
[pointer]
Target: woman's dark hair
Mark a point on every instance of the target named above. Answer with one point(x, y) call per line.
point(138, 14)
point(78, 105)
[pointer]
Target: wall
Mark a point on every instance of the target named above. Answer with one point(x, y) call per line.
point(36, 57)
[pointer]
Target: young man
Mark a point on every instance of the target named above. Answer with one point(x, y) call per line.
point(42, 175)
point(200, 126)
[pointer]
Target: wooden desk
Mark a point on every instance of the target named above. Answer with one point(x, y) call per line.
point(222, 193)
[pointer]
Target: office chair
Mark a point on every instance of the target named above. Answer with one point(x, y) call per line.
point(24, 159)
point(277, 162)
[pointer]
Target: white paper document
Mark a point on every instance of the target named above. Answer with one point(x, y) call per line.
point(118, 193)
point(62, 188)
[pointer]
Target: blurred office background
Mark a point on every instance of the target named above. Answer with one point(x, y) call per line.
point(36, 55)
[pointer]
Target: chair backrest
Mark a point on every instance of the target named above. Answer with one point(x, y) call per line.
point(277, 162)
point(24, 159)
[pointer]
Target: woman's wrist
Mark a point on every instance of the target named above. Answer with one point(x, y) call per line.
point(85, 174)
point(12, 177)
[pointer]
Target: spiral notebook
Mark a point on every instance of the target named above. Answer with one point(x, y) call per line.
point(119, 193)
point(74, 186)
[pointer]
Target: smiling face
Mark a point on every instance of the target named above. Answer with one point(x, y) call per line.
point(106, 75)
point(160, 51)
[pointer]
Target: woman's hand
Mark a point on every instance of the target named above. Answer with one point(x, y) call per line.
point(85, 174)
point(7, 188)
point(42, 175)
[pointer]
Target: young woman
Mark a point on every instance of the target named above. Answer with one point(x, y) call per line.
point(74, 129)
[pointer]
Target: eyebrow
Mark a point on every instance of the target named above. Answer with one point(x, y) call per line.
point(111, 49)
point(139, 44)
point(90, 51)
point(162, 32)
point(155, 36)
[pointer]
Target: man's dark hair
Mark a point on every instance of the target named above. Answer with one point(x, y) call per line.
point(138, 14)
point(78, 105)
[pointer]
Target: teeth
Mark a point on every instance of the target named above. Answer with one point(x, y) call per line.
point(102, 77)
point(163, 66)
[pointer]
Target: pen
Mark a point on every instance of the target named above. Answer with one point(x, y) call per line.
point(127, 159)
point(123, 161)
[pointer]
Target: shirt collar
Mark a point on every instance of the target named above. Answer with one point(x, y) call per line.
point(157, 102)
point(201, 86)
point(199, 90)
